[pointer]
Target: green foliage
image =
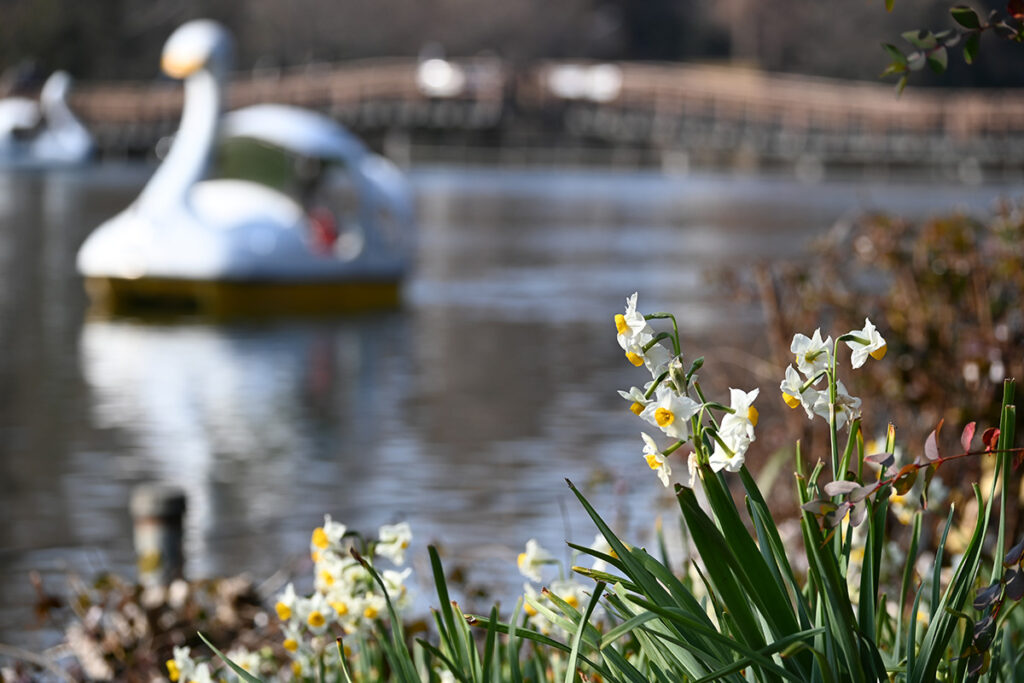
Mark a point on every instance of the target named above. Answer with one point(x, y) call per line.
point(933, 48)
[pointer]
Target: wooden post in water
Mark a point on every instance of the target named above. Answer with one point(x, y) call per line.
point(158, 511)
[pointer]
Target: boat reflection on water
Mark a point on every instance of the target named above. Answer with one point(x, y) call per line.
point(245, 417)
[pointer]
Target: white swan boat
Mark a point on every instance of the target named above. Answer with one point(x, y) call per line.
point(43, 134)
point(303, 217)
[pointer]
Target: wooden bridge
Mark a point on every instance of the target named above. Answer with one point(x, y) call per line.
point(707, 113)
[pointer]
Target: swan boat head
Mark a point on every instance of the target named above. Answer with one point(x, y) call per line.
point(46, 133)
point(189, 232)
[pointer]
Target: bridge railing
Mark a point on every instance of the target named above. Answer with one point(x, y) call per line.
point(739, 97)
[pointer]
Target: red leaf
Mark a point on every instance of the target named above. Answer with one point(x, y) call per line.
point(968, 434)
point(990, 438)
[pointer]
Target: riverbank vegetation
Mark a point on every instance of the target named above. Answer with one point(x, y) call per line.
point(848, 606)
point(855, 597)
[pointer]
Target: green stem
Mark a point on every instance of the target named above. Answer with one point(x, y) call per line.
point(654, 384)
point(833, 393)
point(657, 338)
point(675, 328)
point(717, 438)
point(1003, 469)
point(673, 448)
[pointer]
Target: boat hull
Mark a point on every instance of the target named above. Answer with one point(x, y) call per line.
point(234, 298)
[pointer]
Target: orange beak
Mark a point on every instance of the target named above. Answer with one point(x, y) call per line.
point(176, 67)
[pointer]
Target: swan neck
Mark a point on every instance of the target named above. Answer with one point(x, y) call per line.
point(59, 117)
point(189, 157)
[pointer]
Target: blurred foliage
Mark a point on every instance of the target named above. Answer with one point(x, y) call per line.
point(945, 291)
point(933, 48)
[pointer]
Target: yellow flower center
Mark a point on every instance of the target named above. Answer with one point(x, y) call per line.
point(637, 408)
point(296, 668)
point(521, 560)
point(327, 577)
point(572, 600)
point(752, 415)
point(316, 620)
point(320, 539)
point(340, 607)
point(370, 612)
point(291, 644)
point(879, 353)
point(173, 672)
point(315, 555)
point(404, 545)
point(620, 324)
point(791, 401)
point(529, 609)
point(664, 417)
point(634, 358)
point(652, 460)
point(284, 612)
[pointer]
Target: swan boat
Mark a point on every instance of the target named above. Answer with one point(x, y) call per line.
point(298, 217)
point(43, 134)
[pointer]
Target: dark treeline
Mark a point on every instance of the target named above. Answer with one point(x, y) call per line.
point(114, 39)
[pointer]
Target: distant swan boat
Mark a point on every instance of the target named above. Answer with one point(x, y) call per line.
point(303, 218)
point(43, 134)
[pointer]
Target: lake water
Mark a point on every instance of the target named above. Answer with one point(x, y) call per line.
point(462, 412)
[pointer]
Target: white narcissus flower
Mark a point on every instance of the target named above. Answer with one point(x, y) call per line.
point(330, 572)
point(631, 325)
point(812, 354)
point(315, 612)
point(326, 537)
point(655, 460)
point(201, 674)
point(792, 395)
point(536, 620)
point(181, 668)
point(285, 605)
point(394, 581)
point(529, 562)
point(292, 640)
point(737, 442)
point(250, 661)
point(569, 591)
point(744, 415)
point(633, 332)
point(875, 346)
point(636, 397)
point(393, 541)
point(601, 545)
point(847, 406)
point(671, 412)
point(736, 432)
point(657, 359)
point(373, 605)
